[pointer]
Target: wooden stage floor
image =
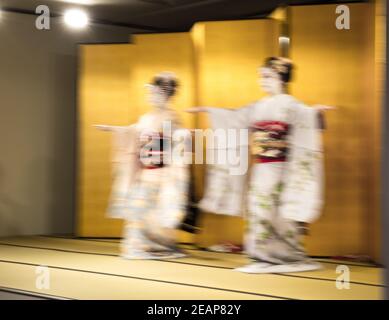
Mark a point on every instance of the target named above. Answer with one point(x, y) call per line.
point(91, 269)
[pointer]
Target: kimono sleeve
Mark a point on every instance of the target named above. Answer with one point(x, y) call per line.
point(230, 118)
point(226, 181)
point(302, 196)
point(125, 167)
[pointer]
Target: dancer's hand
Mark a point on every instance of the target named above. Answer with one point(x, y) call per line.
point(196, 110)
point(322, 107)
point(321, 114)
point(103, 127)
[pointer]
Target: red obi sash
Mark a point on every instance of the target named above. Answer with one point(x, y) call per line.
point(152, 148)
point(269, 141)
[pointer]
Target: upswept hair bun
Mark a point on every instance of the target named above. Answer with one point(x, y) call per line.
point(167, 82)
point(283, 66)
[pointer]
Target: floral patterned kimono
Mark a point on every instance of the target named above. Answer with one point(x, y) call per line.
point(285, 183)
point(150, 195)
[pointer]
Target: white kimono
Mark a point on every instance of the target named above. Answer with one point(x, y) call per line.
point(285, 183)
point(143, 194)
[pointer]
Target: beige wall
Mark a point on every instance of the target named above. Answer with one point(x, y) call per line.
point(37, 122)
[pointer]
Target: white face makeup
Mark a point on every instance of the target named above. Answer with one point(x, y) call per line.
point(157, 97)
point(270, 81)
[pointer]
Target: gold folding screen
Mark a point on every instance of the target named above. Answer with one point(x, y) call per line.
point(228, 55)
point(111, 91)
point(103, 97)
point(216, 63)
point(198, 58)
point(336, 67)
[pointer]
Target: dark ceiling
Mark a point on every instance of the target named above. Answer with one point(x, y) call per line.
point(160, 15)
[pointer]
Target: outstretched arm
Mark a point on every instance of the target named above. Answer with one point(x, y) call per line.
point(208, 109)
point(226, 117)
point(110, 128)
point(321, 113)
point(322, 107)
point(197, 109)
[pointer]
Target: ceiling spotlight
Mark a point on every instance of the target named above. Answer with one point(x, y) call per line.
point(76, 18)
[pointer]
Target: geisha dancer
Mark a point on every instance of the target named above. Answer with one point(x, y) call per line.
point(284, 191)
point(150, 181)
